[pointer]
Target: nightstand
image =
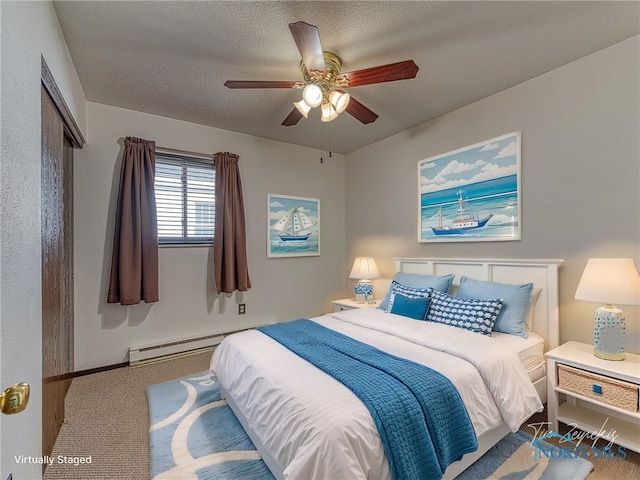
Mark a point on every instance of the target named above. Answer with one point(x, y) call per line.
point(350, 304)
point(593, 394)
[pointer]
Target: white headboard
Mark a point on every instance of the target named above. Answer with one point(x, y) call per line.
point(542, 273)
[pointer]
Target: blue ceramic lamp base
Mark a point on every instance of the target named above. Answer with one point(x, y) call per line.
point(608, 333)
point(362, 290)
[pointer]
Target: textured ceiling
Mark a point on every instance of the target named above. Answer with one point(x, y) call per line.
point(172, 58)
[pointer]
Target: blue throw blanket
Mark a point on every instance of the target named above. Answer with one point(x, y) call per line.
point(423, 424)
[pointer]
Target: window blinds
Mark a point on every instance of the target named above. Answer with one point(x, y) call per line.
point(185, 199)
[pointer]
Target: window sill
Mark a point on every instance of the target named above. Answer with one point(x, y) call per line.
point(183, 245)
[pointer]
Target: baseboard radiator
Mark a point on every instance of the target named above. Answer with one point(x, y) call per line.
point(142, 355)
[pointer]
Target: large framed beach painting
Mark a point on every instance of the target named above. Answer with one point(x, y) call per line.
point(293, 226)
point(471, 194)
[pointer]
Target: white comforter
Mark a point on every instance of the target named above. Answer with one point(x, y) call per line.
point(317, 428)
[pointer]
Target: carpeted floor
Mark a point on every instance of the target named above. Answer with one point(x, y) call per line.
point(107, 418)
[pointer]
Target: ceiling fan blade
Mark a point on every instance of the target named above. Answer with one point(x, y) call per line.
point(360, 112)
point(262, 84)
point(293, 118)
point(383, 73)
point(307, 39)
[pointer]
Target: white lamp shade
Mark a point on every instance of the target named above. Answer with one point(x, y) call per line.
point(364, 268)
point(339, 100)
point(303, 108)
point(328, 112)
point(312, 95)
point(611, 281)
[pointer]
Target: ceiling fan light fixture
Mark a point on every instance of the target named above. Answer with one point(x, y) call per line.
point(324, 82)
point(312, 95)
point(339, 100)
point(303, 108)
point(328, 112)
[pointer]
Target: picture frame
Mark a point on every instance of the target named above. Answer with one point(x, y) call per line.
point(293, 226)
point(471, 194)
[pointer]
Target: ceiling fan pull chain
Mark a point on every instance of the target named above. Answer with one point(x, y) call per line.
point(321, 159)
point(329, 140)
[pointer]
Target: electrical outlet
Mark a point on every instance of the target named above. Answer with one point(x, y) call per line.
point(242, 308)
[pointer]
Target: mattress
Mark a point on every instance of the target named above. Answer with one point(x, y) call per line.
point(291, 404)
point(530, 351)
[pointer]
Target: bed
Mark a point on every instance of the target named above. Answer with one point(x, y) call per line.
point(306, 424)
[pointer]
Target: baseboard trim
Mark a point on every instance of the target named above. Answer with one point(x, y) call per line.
point(82, 373)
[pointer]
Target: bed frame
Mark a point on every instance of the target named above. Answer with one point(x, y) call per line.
point(543, 274)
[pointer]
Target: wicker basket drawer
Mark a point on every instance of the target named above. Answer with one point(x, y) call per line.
point(603, 389)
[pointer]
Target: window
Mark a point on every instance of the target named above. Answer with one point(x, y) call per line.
point(185, 199)
point(205, 216)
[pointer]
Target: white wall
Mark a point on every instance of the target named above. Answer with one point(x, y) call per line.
point(29, 30)
point(580, 129)
point(282, 288)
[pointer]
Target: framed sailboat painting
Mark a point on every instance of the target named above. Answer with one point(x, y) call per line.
point(293, 226)
point(471, 194)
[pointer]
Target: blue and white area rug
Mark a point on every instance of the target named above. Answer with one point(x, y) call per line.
point(195, 435)
point(519, 456)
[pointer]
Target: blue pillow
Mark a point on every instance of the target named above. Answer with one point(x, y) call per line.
point(413, 280)
point(409, 307)
point(409, 292)
point(471, 314)
point(516, 299)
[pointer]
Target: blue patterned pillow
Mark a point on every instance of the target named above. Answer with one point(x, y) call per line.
point(409, 292)
point(470, 314)
point(516, 300)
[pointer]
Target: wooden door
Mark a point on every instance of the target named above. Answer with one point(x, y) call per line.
point(57, 270)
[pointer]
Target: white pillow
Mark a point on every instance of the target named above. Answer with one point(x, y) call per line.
point(528, 322)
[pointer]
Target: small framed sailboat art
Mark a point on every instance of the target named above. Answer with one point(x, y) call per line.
point(293, 226)
point(471, 194)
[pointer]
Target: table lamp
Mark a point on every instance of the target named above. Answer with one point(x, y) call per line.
point(609, 280)
point(364, 269)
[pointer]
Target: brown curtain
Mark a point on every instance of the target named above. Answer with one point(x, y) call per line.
point(134, 264)
point(230, 241)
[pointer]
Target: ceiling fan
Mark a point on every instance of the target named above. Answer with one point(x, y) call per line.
point(324, 83)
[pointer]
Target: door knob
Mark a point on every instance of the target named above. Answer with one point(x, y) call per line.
point(15, 398)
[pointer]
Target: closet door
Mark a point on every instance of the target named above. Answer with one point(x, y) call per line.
point(57, 270)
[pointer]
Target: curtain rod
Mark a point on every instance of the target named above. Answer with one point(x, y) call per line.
point(208, 156)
